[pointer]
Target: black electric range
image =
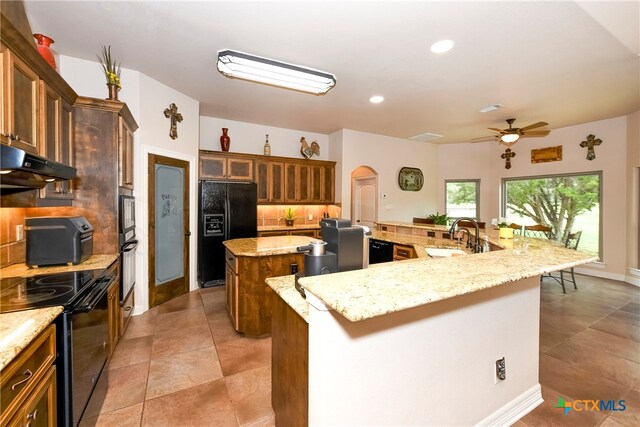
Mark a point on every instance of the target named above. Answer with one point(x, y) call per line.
point(82, 330)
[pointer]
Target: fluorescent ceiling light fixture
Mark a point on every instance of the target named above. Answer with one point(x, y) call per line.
point(239, 65)
point(424, 137)
point(510, 137)
point(377, 99)
point(442, 46)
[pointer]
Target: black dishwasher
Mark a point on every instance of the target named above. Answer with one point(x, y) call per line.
point(380, 251)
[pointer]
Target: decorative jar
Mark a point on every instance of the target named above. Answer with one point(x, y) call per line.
point(506, 233)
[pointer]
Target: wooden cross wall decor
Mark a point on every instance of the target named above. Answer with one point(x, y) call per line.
point(590, 143)
point(172, 113)
point(507, 155)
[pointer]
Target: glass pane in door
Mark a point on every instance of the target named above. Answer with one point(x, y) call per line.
point(169, 229)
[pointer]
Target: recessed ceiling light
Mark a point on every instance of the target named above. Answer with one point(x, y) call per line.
point(442, 46)
point(376, 99)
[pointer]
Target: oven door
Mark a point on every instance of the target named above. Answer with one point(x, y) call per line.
point(127, 218)
point(90, 342)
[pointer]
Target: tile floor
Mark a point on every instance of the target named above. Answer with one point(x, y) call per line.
point(181, 363)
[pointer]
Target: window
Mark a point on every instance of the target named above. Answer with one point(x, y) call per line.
point(566, 203)
point(462, 198)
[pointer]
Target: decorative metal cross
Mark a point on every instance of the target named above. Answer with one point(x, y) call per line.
point(507, 155)
point(590, 143)
point(172, 113)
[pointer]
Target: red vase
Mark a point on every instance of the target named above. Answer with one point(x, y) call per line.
point(43, 48)
point(225, 141)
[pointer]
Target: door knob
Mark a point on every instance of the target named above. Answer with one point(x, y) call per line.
point(187, 234)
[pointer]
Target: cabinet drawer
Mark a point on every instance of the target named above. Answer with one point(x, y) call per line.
point(403, 252)
point(232, 261)
point(126, 311)
point(19, 378)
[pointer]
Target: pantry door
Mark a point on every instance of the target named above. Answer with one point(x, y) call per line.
point(168, 228)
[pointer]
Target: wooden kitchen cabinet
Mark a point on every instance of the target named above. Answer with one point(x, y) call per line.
point(126, 312)
point(113, 307)
point(125, 152)
point(311, 232)
point(27, 384)
point(103, 133)
point(323, 183)
point(248, 296)
point(20, 95)
point(56, 137)
point(270, 180)
point(297, 182)
point(216, 165)
point(402, 252)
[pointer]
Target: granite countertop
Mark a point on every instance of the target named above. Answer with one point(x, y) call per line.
point(288, 227)
point(19, 328)
point(419, 243)
point(363, 294)
point(267, 246)
point(285, 287)
point(94, 262)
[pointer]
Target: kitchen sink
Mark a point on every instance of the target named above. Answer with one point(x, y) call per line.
point(444, 253)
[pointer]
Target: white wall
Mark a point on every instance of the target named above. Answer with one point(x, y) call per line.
point(633, 197)
point(483, 161)
point(387, 155)
point(147, 99)
point(250, 137)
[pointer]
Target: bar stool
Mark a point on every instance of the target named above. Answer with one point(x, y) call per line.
point(538, 231)
point(570, 242)
point(517, 228)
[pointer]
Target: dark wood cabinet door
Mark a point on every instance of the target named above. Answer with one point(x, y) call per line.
point(19, 103)
point(262, 179)
point(239, 169)
point(317, 173)
point(66, 147)
point(125, 155)
point(212, 167)
point(290, 183)
point(277, 182)
point(40, 410)
point(304, 183)
point(328, 187)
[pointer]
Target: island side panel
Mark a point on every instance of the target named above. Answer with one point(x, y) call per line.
point(289, 369)
point(248, 296)
point(429, 365)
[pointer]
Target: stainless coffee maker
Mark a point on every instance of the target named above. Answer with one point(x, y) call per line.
point(346, 241)
point(317, 260)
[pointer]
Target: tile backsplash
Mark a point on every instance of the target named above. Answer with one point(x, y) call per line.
point(274, 214)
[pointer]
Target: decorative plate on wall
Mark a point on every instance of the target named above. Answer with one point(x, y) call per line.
point(410, 179)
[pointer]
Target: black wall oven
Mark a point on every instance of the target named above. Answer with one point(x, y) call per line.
point(82, 331)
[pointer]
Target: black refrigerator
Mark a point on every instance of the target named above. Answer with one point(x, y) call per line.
point(228, 210)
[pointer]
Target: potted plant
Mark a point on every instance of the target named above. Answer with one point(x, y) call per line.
point(438, 219)
point(289, 216)
point(505, 231)
point(111, 71)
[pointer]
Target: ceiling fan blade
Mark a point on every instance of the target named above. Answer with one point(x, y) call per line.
point(497, 130)
point(533, 126)
point(534, 135)
point(485, 138)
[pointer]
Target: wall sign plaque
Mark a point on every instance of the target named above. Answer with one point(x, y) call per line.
point(410, 179)
point(547, 154)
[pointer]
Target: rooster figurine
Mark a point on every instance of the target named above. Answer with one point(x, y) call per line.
point(308, 152)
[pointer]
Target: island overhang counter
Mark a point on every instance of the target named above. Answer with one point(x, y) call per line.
point(417, 341)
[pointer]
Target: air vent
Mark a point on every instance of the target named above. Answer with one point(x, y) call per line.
point(424, 137)
point(493, 107)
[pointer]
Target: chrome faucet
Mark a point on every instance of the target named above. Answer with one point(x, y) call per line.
point(475, 246)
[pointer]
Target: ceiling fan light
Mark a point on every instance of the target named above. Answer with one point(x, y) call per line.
point(239, 65)
point(509, 137)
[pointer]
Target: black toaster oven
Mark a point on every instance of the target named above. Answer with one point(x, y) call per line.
point(58, 240)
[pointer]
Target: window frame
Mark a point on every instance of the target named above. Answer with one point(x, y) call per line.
point(453, 181)
point(503, 198)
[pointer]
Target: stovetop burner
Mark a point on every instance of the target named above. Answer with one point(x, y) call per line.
point(44, 290)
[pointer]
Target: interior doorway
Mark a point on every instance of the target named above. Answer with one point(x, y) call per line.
point(364, 200)
point(168, 228)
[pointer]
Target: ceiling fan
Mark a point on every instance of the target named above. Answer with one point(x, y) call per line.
point(510, 135)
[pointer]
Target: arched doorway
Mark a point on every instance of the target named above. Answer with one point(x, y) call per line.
point(364, 199)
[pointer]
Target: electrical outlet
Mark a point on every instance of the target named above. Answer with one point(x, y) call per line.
point(501, 370)
point(19, 232)
point(388, 206)
point(310, 216)
point(294, 267)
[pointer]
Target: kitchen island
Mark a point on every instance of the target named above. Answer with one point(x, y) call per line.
point(391, 344)
point(249, 262)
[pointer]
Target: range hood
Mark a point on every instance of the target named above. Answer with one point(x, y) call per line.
point(21, 171)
